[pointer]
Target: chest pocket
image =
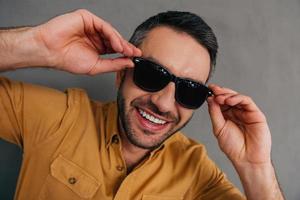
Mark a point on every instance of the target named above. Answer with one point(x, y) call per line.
point(157, 197)
point(68, 181)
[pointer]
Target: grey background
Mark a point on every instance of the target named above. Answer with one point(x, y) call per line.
point(259, 56)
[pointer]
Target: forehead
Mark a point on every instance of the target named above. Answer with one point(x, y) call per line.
point(181, 54)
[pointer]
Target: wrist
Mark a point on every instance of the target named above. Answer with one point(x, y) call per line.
point(21, 48)
point(259, 181)
point(248, 172)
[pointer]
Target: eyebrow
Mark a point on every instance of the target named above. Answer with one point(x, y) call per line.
point(157, 62)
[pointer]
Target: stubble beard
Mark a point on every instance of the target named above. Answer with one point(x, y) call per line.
point(126, 123)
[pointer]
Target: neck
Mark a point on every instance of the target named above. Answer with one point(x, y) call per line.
point(132, 154)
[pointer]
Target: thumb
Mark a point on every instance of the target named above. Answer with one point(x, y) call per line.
point(111, 65)
point(216, 116)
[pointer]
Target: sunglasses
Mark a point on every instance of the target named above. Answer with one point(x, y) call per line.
point(152, 77)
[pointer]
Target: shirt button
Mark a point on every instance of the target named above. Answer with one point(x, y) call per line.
point(115, 140)
point(72, 180)
point(120, 168)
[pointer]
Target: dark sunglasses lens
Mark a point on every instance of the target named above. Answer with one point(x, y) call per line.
point(191, 95)
point(148, 76)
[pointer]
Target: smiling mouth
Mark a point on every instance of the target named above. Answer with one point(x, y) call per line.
point(151, 118)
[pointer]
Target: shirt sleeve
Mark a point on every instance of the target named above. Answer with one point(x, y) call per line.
point(211, 183)
point(29, 114)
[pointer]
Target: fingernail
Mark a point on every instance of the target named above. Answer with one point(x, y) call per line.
point(139, 52)
point(131, 64)
point(209, 100)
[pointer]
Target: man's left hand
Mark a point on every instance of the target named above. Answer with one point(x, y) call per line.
point(240, 127)
point(244, 136)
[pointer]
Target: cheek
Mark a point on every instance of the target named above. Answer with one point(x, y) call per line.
point(131, 91)
point(185, 114)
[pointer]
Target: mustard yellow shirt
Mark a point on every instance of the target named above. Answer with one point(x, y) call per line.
point(72, 150)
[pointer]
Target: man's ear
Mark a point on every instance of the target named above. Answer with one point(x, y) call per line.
point(119, 77)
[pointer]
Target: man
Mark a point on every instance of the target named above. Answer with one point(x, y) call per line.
point(76, 148)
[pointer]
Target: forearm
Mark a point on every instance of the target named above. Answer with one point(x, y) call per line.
point(260, 182)
point(20, 48)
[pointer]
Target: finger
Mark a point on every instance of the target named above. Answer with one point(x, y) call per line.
point(113, 41)
point(216, 116)
point(111, 65)
point(220, 90)
point(225, 108)
point(242, 102)
point(127, 49)
point(226, 96)
point(103, 28)
point(245, 109)
point(120, 36)
point(136, 51)
point(109, 34)
point(221, 98)
point(107, 48)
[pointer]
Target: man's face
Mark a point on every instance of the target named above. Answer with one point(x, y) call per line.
point(150, 118)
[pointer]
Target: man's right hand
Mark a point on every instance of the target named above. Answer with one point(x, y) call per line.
point(75, 41)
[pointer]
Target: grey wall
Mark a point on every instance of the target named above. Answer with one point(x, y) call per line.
point(259, 56)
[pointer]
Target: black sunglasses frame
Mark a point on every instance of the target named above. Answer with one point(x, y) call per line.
point(170, 77)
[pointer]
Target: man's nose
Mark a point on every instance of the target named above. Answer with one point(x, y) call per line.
point(165, 98)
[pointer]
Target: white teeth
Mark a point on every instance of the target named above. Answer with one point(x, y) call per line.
point(151, 118)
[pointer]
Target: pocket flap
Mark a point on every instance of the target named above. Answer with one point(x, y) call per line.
point(74, 177)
